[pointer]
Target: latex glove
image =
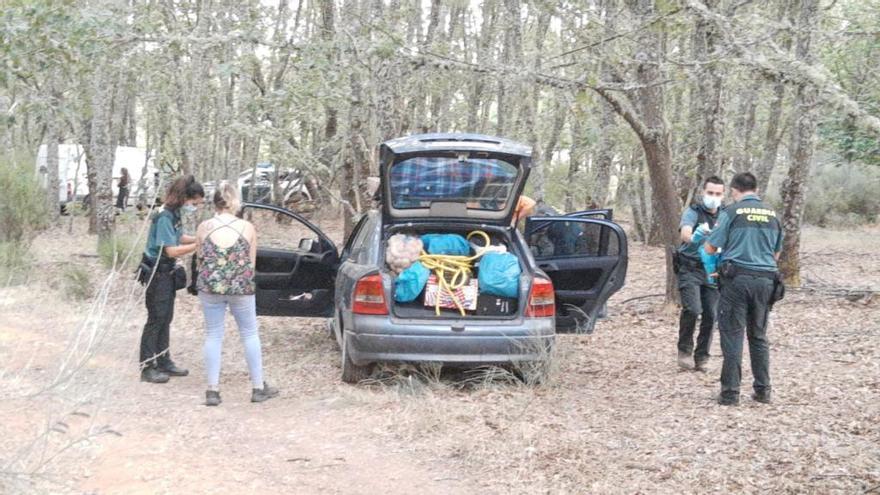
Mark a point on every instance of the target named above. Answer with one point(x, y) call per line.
point(700, 234)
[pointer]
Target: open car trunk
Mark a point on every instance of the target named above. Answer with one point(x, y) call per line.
point(488, 306)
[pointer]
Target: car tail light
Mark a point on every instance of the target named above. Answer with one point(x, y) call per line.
point(369, 296)
point(541, 300)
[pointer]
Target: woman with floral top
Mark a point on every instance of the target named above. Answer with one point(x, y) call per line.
point(228, 252)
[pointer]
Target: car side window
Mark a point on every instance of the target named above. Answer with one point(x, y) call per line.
point(559, 238)
point(355, 240)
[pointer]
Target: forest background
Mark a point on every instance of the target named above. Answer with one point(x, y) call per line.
point(627, 103)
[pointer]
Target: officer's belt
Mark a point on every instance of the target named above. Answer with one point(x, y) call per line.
point(738, 270)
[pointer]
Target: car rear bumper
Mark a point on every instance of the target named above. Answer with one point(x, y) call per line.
point(377, 338)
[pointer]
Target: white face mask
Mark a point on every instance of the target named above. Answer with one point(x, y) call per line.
point(711, 202)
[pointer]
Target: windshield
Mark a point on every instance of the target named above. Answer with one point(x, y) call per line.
point(480, 183)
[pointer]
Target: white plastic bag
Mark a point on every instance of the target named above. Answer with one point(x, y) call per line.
point(402, 251)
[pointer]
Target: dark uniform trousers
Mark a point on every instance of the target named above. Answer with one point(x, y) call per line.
point(699, 299)
point(744, 305)
point(160, 311)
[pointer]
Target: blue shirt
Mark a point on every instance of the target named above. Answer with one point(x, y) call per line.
point(748, 234)
point(164, 231)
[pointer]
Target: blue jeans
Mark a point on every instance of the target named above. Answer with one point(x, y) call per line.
point(244, 310)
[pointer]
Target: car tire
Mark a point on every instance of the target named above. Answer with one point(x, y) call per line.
point(353, 373)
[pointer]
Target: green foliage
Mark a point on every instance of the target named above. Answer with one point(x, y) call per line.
point(76, 283)
point(843, 195)
point(15, 263)
point(114, 251)
point(23, 207)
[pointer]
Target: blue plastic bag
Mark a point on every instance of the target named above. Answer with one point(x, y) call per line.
point(446, 244)
point(499, 275)
point(410, 282)
point(710, 264)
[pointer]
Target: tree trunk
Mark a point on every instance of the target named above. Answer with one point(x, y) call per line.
point(102, 153)
point(654, 136)
point(575, 158)
point(602, 176)
point(803, 137)
point(476, 100)
point(531, 119)
point(709, 84)
point(764, 169)
point(53, 186)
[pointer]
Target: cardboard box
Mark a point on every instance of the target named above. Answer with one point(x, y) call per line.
point(466, 295)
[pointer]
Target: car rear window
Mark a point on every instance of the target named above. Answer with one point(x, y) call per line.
point(480, 183)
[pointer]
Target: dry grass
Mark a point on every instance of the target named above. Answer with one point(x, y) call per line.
point(615, 416)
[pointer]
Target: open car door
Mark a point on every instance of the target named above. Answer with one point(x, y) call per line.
point(586, 258)
point(296, 263)
point(601, 213)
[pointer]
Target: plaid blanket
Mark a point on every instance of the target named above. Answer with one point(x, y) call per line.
point(418, 181)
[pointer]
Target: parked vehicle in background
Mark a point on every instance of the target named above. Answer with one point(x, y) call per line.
point(291, 184)
point(441, 184)
point(73, 173)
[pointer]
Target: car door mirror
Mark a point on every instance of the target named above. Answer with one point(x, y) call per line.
point(307, 245)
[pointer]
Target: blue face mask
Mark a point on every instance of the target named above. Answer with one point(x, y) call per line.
point(189, 208)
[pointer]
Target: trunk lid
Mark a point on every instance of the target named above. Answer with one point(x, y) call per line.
point(468, 177)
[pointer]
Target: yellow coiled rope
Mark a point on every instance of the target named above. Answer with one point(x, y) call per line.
point(458, 269)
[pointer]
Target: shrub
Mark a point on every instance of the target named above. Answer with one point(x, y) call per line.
point(15, 263)
point(843, 195)
point(76, 283)
point(113, 252)
point(23, 207)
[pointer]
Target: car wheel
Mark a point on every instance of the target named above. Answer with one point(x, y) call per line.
point(353, 373)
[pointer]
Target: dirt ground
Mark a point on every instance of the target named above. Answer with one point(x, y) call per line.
point(617, 415)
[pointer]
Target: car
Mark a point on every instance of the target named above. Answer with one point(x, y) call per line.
point(291, 184)
point(441, 183)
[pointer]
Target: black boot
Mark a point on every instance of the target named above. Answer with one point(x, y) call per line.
point(153, 375)
point(171, 369)
point(762, 397)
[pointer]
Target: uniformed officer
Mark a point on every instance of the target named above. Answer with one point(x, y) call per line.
point(165, 243)
point(749, 236)
point(699, 296)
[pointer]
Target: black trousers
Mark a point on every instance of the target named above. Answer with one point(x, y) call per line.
point(744, 306)
point(699, 300)
point(155, 338)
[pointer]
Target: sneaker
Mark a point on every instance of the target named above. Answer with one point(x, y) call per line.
point(153, 375)
point(212, 398)
point(728, 401)
point(171, 369)
point(263, 394)
point(684, 361)
point(762, 397)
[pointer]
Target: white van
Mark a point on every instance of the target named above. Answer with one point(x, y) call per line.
point(72, 172)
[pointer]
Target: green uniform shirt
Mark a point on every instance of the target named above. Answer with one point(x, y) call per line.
point(749, 234)
point(691, 217)
point(164, 231)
